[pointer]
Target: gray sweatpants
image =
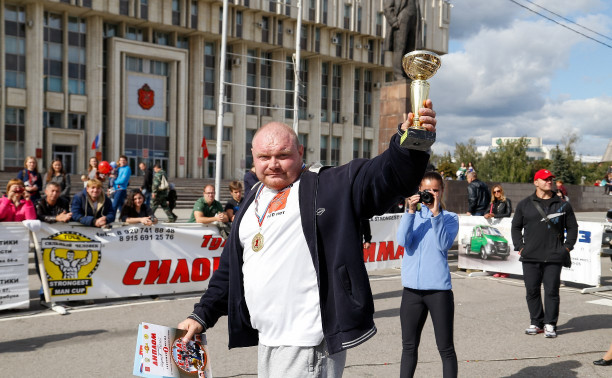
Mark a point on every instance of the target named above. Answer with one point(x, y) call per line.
point(298, 362)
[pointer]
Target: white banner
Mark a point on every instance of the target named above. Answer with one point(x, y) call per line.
point(384, 252)
point(14, 245)
point(486, 244)
point(90, 263)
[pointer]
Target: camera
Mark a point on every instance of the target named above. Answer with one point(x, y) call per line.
point(426, 197)
point(18, 190)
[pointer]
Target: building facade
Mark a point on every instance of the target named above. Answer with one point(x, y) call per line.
point(144, 75)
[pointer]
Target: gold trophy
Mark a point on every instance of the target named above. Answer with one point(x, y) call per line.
point(419, 65)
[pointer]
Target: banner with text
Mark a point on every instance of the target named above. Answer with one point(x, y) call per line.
point(14, 245)
point(486, 244)
point(384, 252)
point(92, 263)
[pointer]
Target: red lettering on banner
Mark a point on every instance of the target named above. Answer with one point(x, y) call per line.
point(130, 273)
point(154, 348)
point(385, 251)
point(181, 271)
point(206, 240)
point(400, 252)
point(215, 243)
point(368, 254)
point(200, 269)
point(158, 273)
point(216, 262)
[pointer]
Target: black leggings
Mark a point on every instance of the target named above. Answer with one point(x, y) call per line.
point(413, 313)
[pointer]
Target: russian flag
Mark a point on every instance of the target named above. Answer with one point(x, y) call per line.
point(205, 148)
point(96, 142)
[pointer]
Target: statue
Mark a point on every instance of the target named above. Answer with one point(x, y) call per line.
point(403, 31)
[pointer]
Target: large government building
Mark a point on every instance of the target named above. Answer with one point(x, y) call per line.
point(144, 76)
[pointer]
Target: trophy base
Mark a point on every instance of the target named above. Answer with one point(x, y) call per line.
point(417, 139)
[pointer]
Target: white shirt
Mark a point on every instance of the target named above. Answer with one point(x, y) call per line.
point(280, 281)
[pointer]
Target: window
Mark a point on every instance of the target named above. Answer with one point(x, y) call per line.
point(351, 43)
point(134, 34)
point(367, 98)
point(323, 153)
point(303, 90)
point(194, 14)
point(250, 133)
point(279, 32)
point(124, 7)
point(289, 86)
point(176, 12)
point(265, 96)
point(228, 79)
point(357, 97)
point(144, 9)
point(379, 23)
point(251, 81)
point(53, 52)
point(303, 140)
point(324, 92)
point(265, 28)
point(77, 66)
point(76, 121)
point(52, 119)
point(356, 147)
point(347, 16)
point(239, 24)
point(336, 88)
point(303, 37)
point(359, 17)
point(338, 45)
point(15, 46)
point(182, 42)
point(143, 134)
point(311, 9)
point(367, 149)
point(335, 151)
point(209, 76)
point(161, 38)
point(133, 64)
point(14, 137)
point(317, 39)
point(324, 12)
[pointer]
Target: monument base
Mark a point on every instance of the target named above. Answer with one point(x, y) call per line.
point(394, 103)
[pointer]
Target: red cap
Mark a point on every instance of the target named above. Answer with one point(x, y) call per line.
point(543, 174)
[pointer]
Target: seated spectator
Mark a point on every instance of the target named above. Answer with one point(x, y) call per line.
point(207, 210)
point(91, 207)
point(31, 178)
point(233, 205)
point(135, 210)
point(52, 207)
point(57, 174)
point(16, 206)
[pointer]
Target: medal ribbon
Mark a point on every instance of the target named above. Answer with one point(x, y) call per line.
point(260, 219)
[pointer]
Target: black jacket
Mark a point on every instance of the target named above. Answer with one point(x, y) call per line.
point(148, 180)
point(46, 213)
point(479, 197)
point(332, 203)
point(533, 235)
point(502, 209)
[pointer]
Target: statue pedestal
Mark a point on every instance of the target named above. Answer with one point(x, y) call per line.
point(394, 103)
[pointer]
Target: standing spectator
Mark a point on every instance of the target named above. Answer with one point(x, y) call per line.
point(160, 194)
point(608, 184)
point(606, 360)
point(501, 207)
point(250, 179)
point(561, 190)
point(135, 210)
point(91, 207)
point(31, 178)
point(461, 172)
point(52, 207)
point(147, 182)
point(207, 210)
point(57, 174)
point(121, 183)
point(233, 205)
point(427, 233)
point(478, 195)
point(470, 167)
point(92, 172)
point(15, 206)
point(538, 229)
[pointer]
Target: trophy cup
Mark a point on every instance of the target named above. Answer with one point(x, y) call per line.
point(419, 65)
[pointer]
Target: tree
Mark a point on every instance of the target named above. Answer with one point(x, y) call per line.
point(506, 163)
point(445, 164)
point(465, 153)
point(564, 164)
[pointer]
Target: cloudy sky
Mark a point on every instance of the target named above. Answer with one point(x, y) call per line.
point(510, 72)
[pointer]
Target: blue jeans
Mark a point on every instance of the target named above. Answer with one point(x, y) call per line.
point(147, 197)
point(118, 199)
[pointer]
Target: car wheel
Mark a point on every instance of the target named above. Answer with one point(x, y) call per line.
point(467, 249)
point(505, 257)
point(483, 253)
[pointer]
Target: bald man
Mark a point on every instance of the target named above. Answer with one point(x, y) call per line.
point(291, 277)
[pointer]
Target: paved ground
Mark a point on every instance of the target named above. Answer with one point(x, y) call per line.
point(98, 340)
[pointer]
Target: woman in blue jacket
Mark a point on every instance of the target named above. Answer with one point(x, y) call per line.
point(426, 232)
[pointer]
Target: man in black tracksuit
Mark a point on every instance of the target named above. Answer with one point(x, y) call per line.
point(479, 197)
point(543, 250)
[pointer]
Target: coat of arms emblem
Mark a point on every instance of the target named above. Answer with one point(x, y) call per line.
point(146, 97)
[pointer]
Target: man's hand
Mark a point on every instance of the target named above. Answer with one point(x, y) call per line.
point(366, 245)
point(63, 217)
point(192, 327)
point(221, 217)
point(100, 222)
point(427, 117)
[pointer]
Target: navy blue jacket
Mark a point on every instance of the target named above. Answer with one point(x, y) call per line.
point(85, 214)
point(332, 203)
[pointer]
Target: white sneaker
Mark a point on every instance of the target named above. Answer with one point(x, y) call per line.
point(550, 331)
point(533, 330)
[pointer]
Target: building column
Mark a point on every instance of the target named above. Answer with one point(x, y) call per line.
point(196, 101)
point(94, 77)
point(34, 79)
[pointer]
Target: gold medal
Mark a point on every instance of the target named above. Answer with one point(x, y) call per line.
point(257, 243)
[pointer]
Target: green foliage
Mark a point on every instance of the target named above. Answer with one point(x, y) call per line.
point(507, 163)
point(445, 164)
point(564, 164)
point(465, 153)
